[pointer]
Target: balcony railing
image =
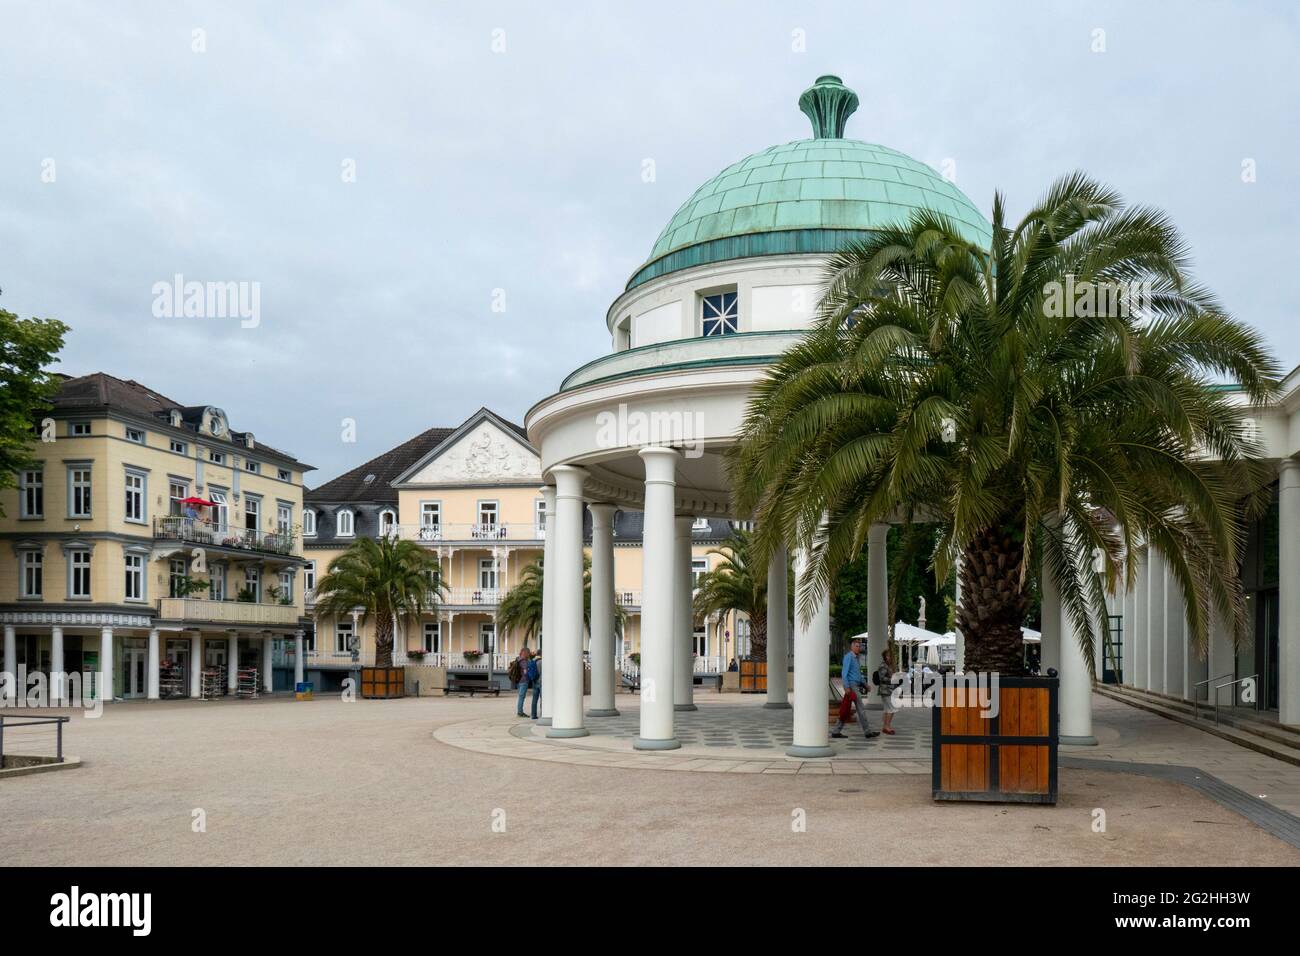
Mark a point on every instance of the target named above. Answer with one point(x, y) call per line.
point(488, 533)
point(487, 597)
point(199, 610)
point(455, 661)
point(198, 531)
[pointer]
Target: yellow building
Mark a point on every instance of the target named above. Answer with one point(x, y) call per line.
point(152, 550)
point(473, 495)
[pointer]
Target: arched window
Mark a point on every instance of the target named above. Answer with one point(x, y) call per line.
point(345, 524)
point(308, 522)
point(387, 523)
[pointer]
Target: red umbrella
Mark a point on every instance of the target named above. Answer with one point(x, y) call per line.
point(192, 500)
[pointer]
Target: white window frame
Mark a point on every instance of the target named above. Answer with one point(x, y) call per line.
point(484, 645)
point(76, 569)
point(308, 523)
point(136, 435)
point(217, 457)
point(253, 581)
point(343, 631)
point(539, 517)
point(31, 574)
point(217, 582)
point(351, 522)
point(487, 571)
point(699, 567)
point(177, 570)
point(486, 508)
point(178, 447)
point(31, 493)
point(76, 486)
point(253, 510)
point(284, 474)
point(387, 522)
point(432, 637)
point(283, 517)
point(138, 494)
point(78, 429)
point(309, 577)
point(220, 509)
point(252, 467)
point(284, 581)
point(726, 324)
point(134, 564)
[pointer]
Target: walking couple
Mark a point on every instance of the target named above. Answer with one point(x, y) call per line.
point(526, 671)
point(855, 687)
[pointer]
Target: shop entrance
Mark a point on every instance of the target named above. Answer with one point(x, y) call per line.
point(135, 656)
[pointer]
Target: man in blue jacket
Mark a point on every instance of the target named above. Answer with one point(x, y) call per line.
point(855, 687)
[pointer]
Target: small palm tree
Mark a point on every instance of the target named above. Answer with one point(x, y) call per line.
point(948, 382)
point(738, 583)
point(521, 608)
point(387, 579)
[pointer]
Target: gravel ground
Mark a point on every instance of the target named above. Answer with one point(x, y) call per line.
point(325, 782)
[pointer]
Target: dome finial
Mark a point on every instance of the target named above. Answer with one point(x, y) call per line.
point(829, 104)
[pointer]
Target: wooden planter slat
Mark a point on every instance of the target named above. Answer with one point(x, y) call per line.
point(1008, 758)
point(753, 676)
point(383, 683)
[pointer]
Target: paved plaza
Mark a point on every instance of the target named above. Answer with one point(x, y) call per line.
point(434, 780)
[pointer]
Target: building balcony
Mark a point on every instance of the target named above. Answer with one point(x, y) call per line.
point(227, 613)
point(487, 534)
point(208, 534)
point(471, 597)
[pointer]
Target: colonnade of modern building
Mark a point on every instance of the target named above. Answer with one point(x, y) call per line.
point(666, 671)
point(59, 690)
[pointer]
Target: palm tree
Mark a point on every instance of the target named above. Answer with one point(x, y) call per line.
point(386, 578)
point(948, 382)
point(521, 608)
point(738, 583)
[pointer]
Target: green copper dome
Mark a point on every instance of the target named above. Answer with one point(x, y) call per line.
point(809, 196)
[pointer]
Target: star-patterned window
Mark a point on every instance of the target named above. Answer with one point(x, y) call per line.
point(721, 314)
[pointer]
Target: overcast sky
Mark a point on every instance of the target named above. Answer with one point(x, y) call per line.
point(520, 169)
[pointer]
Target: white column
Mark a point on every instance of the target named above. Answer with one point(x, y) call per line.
point(10, 686)
point(268, 652)
point(778, 631)
point(106, 663)
point(232, 660)
point(1288, 633)
point(658, 595)
point(1127, 635)
point(1139, 628)
point(1156, 580)
point(196, 666)
point(1075, 702)
point(548, 605)
point(683, 618)
point(151, 666)
point(58, 680)
point(300, 653)
point(564, 657)
point(1049, 650)
point(812, 675)
point(1175, 636)
point(877, 597)
point(959, 646)
point(602, 611)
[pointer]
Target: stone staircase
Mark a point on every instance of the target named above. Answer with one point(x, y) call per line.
point(1253, 731)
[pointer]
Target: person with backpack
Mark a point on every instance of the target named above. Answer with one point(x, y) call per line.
point(534, 674)
point(518, 674)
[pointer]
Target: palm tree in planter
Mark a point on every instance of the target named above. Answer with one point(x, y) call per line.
point(385, 577)
point(1018, 398)
point(738, 583)
point(521, 609)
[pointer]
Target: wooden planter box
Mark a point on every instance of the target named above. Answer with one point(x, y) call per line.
point(383, 682)
point(753, 676)
point(1007, 758)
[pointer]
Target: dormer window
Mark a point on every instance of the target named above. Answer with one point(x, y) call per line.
point(720, 314)
point(308, 523)
point(700, 526)
point(346, 524)
point(175, 418)
point(387, 523)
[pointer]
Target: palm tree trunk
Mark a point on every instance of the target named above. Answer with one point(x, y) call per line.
point(758, 636)
point(993, 603)
point(383, 640)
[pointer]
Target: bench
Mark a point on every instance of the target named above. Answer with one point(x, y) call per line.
point(471, 684)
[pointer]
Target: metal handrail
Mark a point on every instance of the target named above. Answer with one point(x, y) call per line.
point(1219, 687)
point(26, 721)
point(1196, 709)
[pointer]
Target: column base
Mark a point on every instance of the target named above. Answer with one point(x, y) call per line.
point(643, 743)
point(543, 721)
point(568, 732)
point(798, 751)
point(604, 712)
point(1088, 741)
point(685, 707)
point(777, 705)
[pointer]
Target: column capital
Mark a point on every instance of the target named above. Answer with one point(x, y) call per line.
point(602, 512)
point(878, 531)
point(569, 480)
point(1289, 469)
point(660, 464)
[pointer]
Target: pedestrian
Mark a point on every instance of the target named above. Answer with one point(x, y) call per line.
point(885, 688)
point(855, 685)
point(535, 679)
point(518, 673)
